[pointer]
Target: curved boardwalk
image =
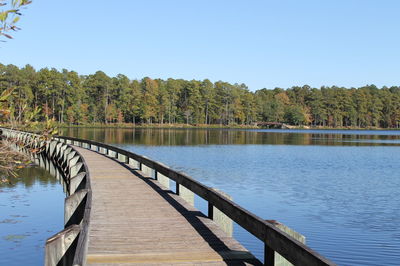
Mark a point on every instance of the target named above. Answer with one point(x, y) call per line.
point(136, 221)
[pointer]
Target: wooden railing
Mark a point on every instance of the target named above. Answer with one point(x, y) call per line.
point(69, 246)
point(274, 239)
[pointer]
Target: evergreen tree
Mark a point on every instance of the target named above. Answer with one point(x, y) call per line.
point(68, 97)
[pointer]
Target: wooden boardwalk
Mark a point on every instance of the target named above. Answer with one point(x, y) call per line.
point(137, 221)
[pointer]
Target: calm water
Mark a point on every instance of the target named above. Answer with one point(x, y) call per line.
point(338, 188)
point(31, 210)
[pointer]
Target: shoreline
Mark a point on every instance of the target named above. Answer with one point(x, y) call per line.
point(214, 126)
point(203, 126)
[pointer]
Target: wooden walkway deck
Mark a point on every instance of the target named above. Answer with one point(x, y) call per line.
point(137, 221)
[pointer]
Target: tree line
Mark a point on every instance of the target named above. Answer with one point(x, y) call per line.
point(71, 98)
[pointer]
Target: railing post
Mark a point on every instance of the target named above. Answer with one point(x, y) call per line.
point(221, 218)
point(163, 180)
point(186, 194)
point(147, 171)
point(74, 207)
point(60, 248)
point(111, 153)
point(278, 259)
point(210, 211)
point(75, 182)
point(133, 163)
point(74, 170)
point(122, 158)
point(269, 256)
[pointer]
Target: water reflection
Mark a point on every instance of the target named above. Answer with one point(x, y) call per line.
point(178, 137)
point(29, 176)
point(38, 163)
point(31, 210)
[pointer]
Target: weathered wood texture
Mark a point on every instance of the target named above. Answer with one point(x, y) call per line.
point(134, 220)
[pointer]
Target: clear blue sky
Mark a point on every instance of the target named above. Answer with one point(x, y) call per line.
point(260, 43)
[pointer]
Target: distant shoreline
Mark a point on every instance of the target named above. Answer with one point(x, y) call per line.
point(211, 126)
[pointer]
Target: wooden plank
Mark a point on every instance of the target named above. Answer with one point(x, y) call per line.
point(169, 257)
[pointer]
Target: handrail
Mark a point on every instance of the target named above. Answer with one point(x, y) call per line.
point(274, 239)
point(83, 240)
point(69, 246)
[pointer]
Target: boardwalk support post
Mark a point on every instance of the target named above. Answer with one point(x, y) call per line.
point(111, 153)
point(186, 194)
point(220, 218)
point(60, 248)
point(133, 163)
point(269, 256)
point(93, 147)
point(76, 182)
point(74, 170)
point(277, 258)
point(122, 158)
point(163, 180)
point(147, 171)
point(74, 207)
point(210, 211)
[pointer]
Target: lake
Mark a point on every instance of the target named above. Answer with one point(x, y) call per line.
point(31, 210)
point(339, 188)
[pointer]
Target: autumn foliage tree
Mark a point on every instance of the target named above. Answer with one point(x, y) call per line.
point(69, 97)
